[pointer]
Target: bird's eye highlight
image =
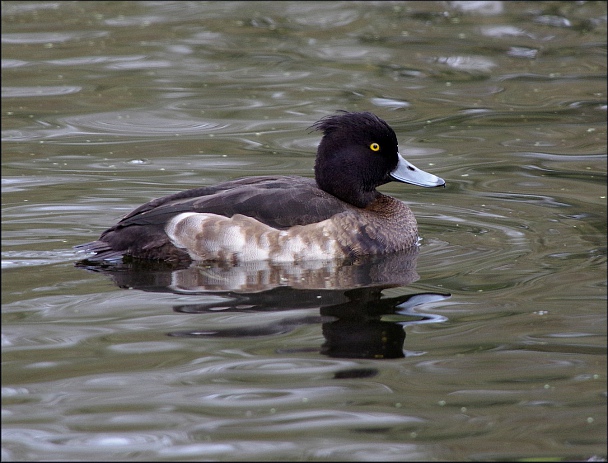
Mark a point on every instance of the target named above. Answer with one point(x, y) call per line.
point(374, 147)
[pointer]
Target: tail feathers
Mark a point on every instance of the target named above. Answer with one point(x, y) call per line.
point(102, 251)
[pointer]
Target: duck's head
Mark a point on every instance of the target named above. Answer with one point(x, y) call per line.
point(359, 152)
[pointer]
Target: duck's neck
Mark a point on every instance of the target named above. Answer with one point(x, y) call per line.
point(344, 189)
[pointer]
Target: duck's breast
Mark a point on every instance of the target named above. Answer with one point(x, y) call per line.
point(387, 226)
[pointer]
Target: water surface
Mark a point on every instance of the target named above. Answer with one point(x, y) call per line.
point(106, 105)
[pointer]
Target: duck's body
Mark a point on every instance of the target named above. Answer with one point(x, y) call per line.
point(284, 218)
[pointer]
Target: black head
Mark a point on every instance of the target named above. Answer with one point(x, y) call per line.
point(358, 152)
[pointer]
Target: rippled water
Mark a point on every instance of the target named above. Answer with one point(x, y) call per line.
point(106, 105)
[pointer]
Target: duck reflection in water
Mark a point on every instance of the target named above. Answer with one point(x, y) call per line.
point(349, 295)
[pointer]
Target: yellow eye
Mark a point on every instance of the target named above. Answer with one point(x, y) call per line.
point(374, 147)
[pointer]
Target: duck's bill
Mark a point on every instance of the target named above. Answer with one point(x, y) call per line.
point(406, 172)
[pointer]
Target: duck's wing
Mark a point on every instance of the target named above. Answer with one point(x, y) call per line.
point(279, 202)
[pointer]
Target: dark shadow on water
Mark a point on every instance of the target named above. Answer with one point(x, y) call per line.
point(349, 296)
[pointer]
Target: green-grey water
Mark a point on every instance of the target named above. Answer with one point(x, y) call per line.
point(106, 105)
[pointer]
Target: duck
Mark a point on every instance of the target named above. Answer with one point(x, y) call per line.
point(338, 214)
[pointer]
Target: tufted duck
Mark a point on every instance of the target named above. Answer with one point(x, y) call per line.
point(338, 214)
